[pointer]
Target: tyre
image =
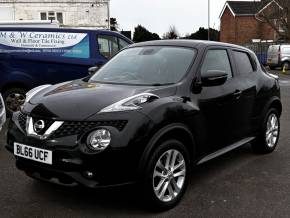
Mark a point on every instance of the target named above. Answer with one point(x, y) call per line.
point(268, 138)
point(286, 65)
point(14, 98)
point(272, 68)
point(166, 175)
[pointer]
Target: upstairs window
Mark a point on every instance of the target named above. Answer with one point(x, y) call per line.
point(52, 15)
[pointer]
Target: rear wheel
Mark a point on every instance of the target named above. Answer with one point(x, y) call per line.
point(167, 175)
point(267, 141)
point(14, 98)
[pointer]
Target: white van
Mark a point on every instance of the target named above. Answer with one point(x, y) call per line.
point(279, 56)
point(2, 112)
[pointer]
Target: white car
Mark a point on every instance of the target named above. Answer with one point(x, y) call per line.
point(2, 112)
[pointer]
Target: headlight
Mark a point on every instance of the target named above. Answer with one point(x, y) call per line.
point(99, 139)
point(34, 91)
point(131, 103)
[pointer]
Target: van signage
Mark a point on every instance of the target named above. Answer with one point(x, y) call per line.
point(57, 43)
point(40, 39)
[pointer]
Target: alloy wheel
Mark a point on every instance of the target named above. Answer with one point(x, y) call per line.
point(14, 101)
point(169, 175)
point(272, 131)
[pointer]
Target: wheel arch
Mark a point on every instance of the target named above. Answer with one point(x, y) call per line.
point(12, 85)
point(176, 131)
point(274, 103)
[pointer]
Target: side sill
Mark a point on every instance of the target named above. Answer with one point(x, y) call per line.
point(225, 150)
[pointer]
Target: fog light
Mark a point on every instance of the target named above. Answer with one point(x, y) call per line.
point(99, 140)
point(88, 174)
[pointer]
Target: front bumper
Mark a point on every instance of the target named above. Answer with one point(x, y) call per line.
point(75, 164)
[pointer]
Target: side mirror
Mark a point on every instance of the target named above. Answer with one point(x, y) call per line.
point(93, 70)
point(214, 78)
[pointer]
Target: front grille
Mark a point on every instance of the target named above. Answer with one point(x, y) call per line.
point(69, 128)
point(76, 128)
point(22, 120)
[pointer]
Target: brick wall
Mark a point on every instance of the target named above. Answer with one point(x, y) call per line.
point(228, 33)
point(242, 29)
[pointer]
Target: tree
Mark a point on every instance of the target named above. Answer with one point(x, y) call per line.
point(141, 34)
point(171, 34)
point(276, 14)
point(114, 24)
point(202, 34)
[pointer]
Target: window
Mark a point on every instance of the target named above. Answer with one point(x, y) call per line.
point(108, 45)
point(122, 43)
point(51, 15)
point(43, 16)
point(243, 62)
point(149, 65)
point(217, 60)
point(59, 17)
point(286, 50)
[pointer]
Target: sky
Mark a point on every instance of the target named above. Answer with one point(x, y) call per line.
point(158, 15)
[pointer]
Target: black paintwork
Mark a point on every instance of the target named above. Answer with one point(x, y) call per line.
point(204, 118)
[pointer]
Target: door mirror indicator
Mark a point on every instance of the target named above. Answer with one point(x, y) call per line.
point(93, 70)
point(214, 78)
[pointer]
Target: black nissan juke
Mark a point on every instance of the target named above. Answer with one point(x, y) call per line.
point(149, 115)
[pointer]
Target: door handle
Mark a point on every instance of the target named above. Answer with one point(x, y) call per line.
point(237, 94)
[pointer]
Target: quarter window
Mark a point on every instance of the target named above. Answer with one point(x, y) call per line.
point(122, 43)
point(243, 62)
point(217, 60)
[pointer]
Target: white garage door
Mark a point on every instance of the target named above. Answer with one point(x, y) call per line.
point(6, 13)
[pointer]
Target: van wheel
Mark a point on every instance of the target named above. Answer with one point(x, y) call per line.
point(13, 98)
point(267, 141)
point(166, 175)
point(286, 65)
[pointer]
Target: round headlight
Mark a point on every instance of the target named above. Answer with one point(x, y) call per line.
point(99, 140)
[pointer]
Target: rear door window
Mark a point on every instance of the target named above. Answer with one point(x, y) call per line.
point(243, 62)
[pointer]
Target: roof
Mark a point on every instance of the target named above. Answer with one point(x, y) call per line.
point(186, 43)
point(245, 8)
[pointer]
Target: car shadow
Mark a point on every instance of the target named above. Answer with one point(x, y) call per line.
point(128, 200)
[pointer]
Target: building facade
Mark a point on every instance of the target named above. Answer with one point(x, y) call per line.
point(239, 24)
point(69, 13)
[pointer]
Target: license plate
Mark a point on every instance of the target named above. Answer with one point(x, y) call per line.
point(32, 153)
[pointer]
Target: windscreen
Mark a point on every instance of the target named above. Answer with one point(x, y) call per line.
point(150, 65)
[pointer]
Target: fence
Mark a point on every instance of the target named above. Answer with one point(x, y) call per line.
point(260, 49)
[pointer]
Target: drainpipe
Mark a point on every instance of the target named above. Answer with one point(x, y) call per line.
point(109, 23)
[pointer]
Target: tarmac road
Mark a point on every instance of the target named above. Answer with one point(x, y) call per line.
point(238, 184)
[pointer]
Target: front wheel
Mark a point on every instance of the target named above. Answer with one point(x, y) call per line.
point(267, 141)
point(14, 98)
point(286, 65)
point(167, 175)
